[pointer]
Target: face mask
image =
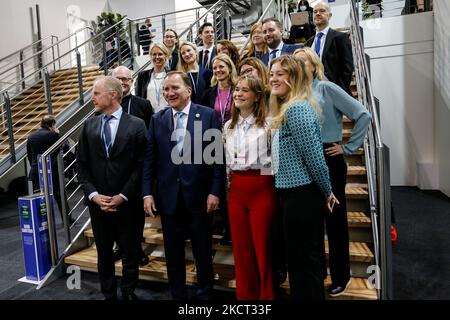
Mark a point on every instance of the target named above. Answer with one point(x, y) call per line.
point(302, 8)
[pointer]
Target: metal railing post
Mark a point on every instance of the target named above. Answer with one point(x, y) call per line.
point(62, 193)
point(53, 55)
point(105, 65)
point(163, 23)
point(119, 52)
point(12, 148)
point(130, 33)
point(48, 93)
point(59, 53)
point(80, 77)
point(50, 217)
point(22, 70)
point(197, 18)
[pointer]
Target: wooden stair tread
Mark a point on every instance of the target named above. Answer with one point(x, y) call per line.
point(356, 170)
point(358, 219)
point(354, 192)
point(359, 251)
point(86, 259)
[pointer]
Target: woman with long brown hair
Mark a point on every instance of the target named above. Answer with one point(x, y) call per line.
point(252, 199)
point(227, 47)
point(257, 47)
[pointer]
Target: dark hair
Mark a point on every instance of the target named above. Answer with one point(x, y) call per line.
point(48, 121)
point(275, 20)
point(176, 36)
point(232, 49)
point(203, 26)
point(183, 76)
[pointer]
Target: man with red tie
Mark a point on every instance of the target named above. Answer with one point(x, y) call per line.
point(208, 52)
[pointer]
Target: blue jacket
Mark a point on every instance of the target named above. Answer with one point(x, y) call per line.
point(164, 179)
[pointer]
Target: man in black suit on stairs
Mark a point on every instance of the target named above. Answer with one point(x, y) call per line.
point(110, 155)
point(142, 109)
point(333, 47)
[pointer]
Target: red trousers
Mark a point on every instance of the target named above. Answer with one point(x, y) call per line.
point(252, 207)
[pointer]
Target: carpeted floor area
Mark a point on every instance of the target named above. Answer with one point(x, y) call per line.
point(420, 258)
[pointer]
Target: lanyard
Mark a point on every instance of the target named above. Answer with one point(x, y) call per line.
point(194, 83)
point(223, 109)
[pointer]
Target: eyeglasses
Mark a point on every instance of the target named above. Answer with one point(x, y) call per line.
point(123, 79)
point(169, 37)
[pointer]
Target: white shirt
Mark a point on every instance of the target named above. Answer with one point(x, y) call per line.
point(155, 91)
point(113, 124)
point(322, 41)
point(210, 50)
point(247, 146)
point(278, 53)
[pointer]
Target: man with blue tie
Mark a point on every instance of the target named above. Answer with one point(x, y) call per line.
point(333, 48)
point(110, 155)
point(273, 36)
point(181, 184)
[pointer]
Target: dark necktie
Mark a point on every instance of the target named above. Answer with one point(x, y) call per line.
point(106, 137)
point(318, 39)
point(205, 58)
point(273, 54)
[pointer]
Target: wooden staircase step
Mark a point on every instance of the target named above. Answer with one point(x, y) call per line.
point(354, 192)
point(359, 289)
point(356, 170)
point(359, 251)
point(358, 219)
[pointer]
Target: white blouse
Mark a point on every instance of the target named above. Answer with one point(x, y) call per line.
point(247, 146)
point(155, 91)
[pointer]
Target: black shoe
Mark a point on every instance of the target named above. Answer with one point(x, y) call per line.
point(337, 290)
point(129, 297)
point(117, 255)
point(143, 260)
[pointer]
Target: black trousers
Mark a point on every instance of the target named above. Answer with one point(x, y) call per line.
point(336, 222)
point(197, 227)
point(119, 227)
point(303, 223)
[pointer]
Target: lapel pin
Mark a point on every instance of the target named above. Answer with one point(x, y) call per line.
point(197, 115)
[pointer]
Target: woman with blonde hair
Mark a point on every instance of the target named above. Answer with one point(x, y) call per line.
point(199, 77)
point(252, 202)
point(220, 95)
point(301, 175)
point(335, 103)
point(257, 47)
point(150, 82)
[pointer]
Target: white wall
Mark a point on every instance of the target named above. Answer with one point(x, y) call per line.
point(401, 51)
point(442, 91)
point(341, 13)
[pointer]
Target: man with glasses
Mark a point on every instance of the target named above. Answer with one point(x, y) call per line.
point(142, 109)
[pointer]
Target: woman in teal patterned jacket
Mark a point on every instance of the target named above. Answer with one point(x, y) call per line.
point(301, 174)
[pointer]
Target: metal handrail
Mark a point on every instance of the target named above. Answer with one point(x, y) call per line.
point(28, 46)
point(375, 157)
point(259, 20)
point(199, 19)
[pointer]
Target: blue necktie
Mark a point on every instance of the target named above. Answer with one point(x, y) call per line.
point(179, 134)
point(317, 48)
point(106, 137)
point(273, 54)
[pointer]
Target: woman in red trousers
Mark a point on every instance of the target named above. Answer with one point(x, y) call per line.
point(252, 197)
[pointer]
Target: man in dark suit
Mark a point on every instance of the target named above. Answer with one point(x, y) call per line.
point(37, 143)
point(142, 109)
point(111, 151)
point(145, 36)
point(273, 36)
point(333, 48)
point(208, 52)
point(188, 184)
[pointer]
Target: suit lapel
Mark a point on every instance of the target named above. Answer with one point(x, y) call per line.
point(331, 34)
point(120, 134)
